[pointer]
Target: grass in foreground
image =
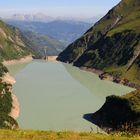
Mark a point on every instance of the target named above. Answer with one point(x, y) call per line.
point(49, 135)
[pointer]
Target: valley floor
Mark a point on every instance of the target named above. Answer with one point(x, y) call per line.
point(49, 135)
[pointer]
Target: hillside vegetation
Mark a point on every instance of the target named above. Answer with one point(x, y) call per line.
point(120, 113)
point(49, 135)
point(13, 45)
point(5, 102)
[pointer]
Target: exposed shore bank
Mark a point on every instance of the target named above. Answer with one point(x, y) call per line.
point(15, 111)
point(22, 60)
point(10, 81)
point(106, 76)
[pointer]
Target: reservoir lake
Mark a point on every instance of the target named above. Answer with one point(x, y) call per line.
point(55, 96)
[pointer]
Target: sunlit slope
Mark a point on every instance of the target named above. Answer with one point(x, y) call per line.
point(13, 45)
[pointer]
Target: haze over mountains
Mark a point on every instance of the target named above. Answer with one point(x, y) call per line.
point(44, 31)
point(31, 17)
point(65, 31)
point(41, 17)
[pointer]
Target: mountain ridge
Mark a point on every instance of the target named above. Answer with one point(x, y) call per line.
point(65, 31)
point(112, 44)
point(40, 42)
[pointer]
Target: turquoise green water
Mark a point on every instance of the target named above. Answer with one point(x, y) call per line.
point(55, 96)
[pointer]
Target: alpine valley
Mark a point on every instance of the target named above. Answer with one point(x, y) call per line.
point(82, 95)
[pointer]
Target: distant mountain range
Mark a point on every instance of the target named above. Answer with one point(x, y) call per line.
point(41, 42)
point(41, 17)
point(32, 17)
point(65, 31)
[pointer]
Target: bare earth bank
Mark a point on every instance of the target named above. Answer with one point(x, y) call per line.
point(22, 60)
point(7, 78)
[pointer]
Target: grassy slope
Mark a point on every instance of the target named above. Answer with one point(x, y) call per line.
point(48, 135)
point(129, 42)
point(12, 43)
point(120, 113)
point(133, 99)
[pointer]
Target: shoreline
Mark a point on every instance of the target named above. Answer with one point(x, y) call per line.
point(10, 81)
point(20, 61)
point(92, 70)
point(15, 110)
point(106, 76)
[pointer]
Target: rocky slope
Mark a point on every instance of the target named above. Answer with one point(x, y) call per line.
point(112, 44)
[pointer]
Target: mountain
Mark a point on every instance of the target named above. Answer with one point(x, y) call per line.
point(65, 31)
point(41, 17)
point(112, 44)
point(32, 17)
point(40, 42)
point(13, 45)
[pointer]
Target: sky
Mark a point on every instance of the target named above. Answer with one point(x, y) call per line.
point(58, 8)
